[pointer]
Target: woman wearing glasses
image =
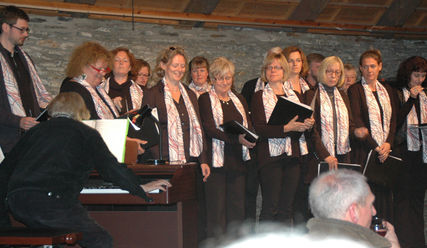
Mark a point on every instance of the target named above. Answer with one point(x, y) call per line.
point(85, 71)
point(373, 106)
point(225, 189)
point(141, 73)
point(333, 120)
point(280, 146)
point(126, 94)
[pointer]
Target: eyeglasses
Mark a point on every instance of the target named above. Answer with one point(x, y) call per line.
point(23, 30)
point(226, 78)
point(100, 70)
point(270, 68)
point(143, 75)
point(330, 72)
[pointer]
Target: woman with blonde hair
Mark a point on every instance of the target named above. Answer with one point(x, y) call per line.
point(332, 114)
point(178, 111)
point(225, 189)
point(280, 146)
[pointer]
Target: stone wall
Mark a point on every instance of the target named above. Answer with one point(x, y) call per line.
point(53, 38)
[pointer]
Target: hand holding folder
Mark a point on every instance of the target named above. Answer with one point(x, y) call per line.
point(386, 174)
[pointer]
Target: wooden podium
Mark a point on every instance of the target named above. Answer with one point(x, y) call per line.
point(170, 220)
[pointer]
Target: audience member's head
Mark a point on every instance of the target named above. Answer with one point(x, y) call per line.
point(68, 104)
point(412, 72)
point(344, 195)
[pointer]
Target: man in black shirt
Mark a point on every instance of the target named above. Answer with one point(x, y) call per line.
point(21, 92)
point(42, 176)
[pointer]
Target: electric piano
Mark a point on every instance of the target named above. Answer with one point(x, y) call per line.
point(170, 220)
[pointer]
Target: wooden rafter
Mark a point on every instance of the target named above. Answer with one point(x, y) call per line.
point(199, 6)
point(308, 10)
point(398, 12)
point(222, 20)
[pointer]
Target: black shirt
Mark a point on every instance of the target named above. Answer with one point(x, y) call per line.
point(57, 156)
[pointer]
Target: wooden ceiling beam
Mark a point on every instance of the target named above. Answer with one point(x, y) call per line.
point(108, 11)
point(199, 6)
point(308, 10)
point(398, 12)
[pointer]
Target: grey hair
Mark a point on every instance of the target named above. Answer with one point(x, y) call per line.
point(333, 192)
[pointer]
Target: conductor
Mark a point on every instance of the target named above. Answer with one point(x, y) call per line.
point(41, 178)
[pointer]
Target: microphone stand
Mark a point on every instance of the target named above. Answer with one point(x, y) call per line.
point(160, 160)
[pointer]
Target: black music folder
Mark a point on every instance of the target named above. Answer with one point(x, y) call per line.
point(285, 110)
point(234, 127)
point(147, 131)
point(386, 174)
point(324, 167)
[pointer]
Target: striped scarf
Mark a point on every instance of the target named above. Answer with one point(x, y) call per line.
point(327, 122)
point(412, 138)
point(379, 129)
point(103, 111)
point(135, 91)
point(175, 134)
point(198, 90)
point(218, 145)
point(12, 89)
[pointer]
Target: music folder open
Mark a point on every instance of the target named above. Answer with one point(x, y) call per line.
point(285, 110)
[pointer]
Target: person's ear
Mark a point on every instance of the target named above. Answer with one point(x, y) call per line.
point(4, 27)
point(353, 212)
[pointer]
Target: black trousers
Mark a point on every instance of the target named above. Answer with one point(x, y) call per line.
point(38, 209)
point(279, 181)
point(252, 185)
point(409, 202)
point(225, 201)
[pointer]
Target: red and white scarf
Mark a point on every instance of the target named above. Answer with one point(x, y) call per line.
point(135, 91)
point(12, 89)
point(278, 146)
point(198, 90)
point(101, 108)
point(379, 129)
point(412, 137)
point(218, 145)
point(175, 134)
point(327, 122)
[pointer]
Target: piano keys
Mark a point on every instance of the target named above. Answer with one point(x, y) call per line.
point(169, 221)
